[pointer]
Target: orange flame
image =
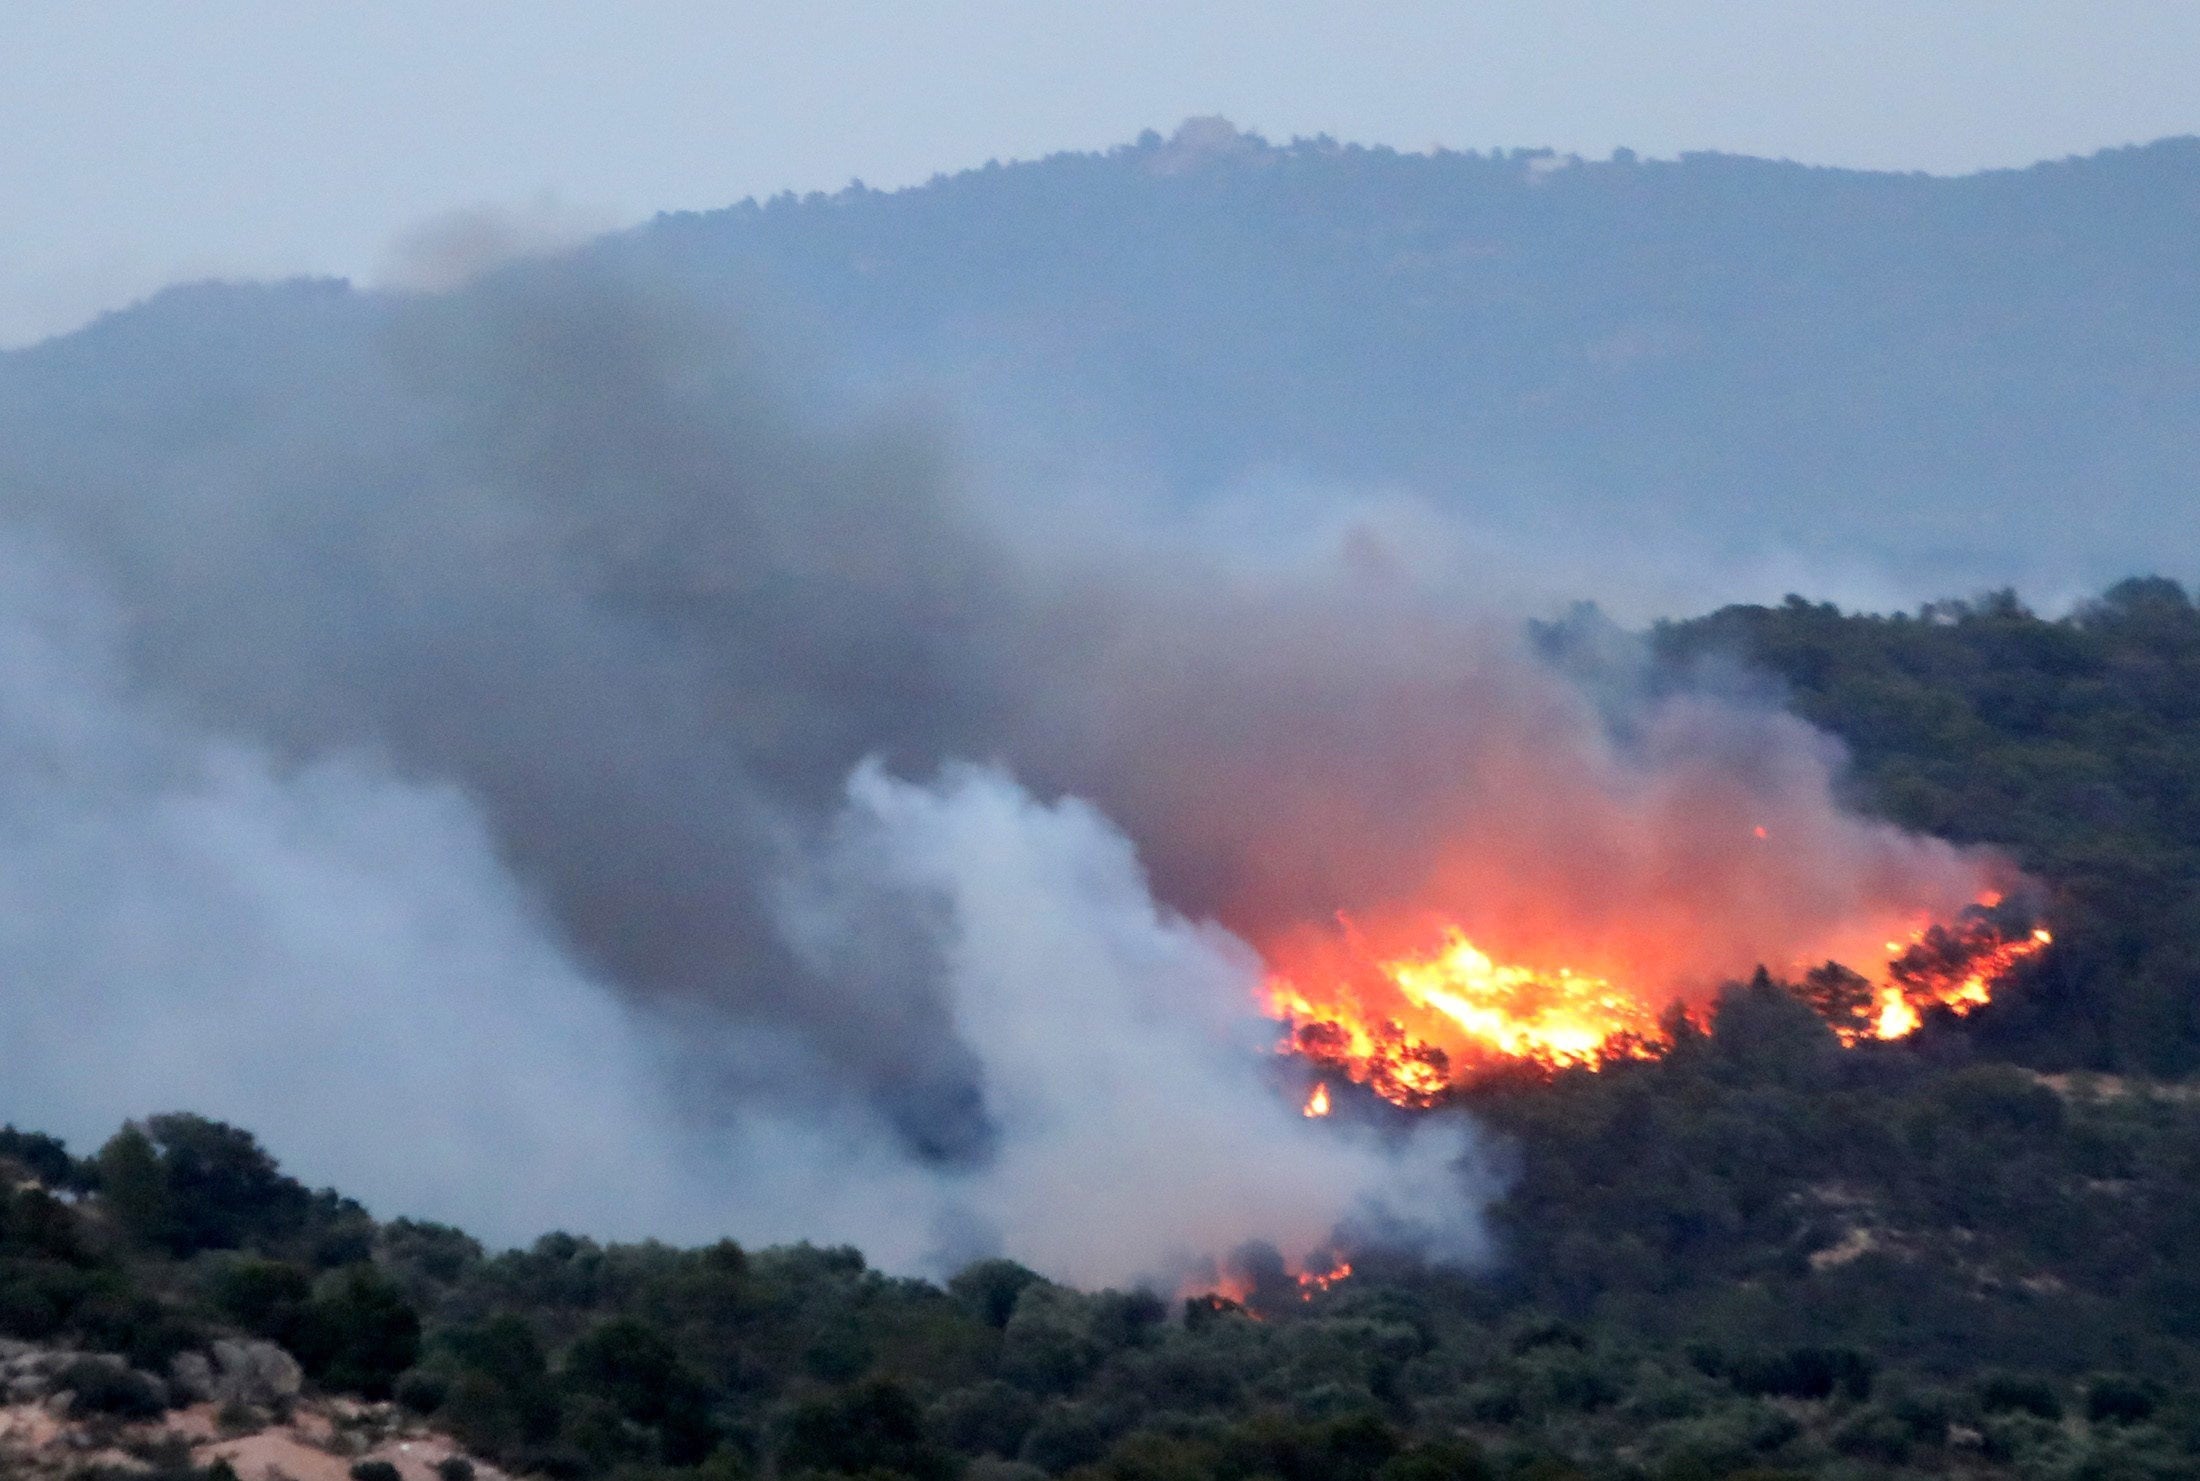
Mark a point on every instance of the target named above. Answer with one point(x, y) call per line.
point(1234, 1290)
point(1410, 1025)
point(1952, 967)
point(1312, 1281)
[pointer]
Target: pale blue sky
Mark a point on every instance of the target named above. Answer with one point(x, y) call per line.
point(143, 141)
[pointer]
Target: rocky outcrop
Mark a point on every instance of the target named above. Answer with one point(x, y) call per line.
point(66, 1413)
point(257, 1375)
point(64, 1379)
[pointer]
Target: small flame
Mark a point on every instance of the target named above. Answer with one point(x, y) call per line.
point(1895, 1017)
point(1317, 1104)
point(1311, 1281)
point(1234, 1290)
point(1953, 967)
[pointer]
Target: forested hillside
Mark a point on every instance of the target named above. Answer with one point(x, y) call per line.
point(1763, 1255)
point(2073, 743)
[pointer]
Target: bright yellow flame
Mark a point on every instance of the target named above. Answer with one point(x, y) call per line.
point(1556, 1018)
point(1411, 1025)
point(1895, 1017)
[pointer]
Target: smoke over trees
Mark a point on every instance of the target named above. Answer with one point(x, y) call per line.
point(497, 707)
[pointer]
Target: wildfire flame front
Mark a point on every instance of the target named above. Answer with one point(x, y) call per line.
point(1409, 1026)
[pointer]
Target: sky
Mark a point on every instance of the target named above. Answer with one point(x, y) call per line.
point(155, 141)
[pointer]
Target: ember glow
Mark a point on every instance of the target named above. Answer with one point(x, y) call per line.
point(1953, 967)
point(1260, 1289)
point(1410, 1024)
point(1313, 1281)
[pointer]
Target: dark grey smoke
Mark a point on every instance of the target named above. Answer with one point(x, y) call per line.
point(499, 695)
point(550, 542)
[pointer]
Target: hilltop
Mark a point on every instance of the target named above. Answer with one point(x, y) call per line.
point(1926, 374)
point(1906, 383)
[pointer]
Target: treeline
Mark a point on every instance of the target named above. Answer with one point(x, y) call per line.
point(1764, 1255)
point(2073, 743)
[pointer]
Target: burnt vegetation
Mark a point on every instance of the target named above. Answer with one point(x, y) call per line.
point(1759, 1255)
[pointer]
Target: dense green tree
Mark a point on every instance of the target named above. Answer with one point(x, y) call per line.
point(874, 1427)
point(357, 1333)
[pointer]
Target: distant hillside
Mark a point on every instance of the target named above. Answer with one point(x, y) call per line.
point(1965, 381)
point(1879, 387)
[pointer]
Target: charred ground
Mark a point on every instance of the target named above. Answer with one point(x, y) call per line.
point(1762, 1253)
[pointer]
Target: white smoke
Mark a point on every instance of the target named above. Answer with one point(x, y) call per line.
point(336, 957)
point(1121, 1047)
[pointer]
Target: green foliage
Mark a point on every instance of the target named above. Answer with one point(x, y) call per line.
point(1685, 1293)
point(990, 1288)
point(133, 1187)
point(626, 1372)
point(870, 1428)
point(179, 1184)
point(989, 1418)
point(1439, 1460)
point(357, 1333)
point(267, 1298)
point(2019, 1393)
point(497, 1395)
point(2072, 743)
point(43, 1157)
point(2118, 1398)
point(110, 1388)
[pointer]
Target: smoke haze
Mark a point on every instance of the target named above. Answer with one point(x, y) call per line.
point(535, 779)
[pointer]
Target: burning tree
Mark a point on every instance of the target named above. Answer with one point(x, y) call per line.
point(1411, 1024)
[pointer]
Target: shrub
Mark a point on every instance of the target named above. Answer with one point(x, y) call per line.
point(111, 1388)
point(1067, 1435)
point(421, 1391)
point(990, 1288)
point(1799, 1373)
point(358, 1334)
point(43, 1157)
point(629, 1369)
point(1439, 1460)
point(2017, 1393)
point(873, 1426)
point(265, 1297)
point(1875, 1434)
point(2116, 1398)
point(988, 1417)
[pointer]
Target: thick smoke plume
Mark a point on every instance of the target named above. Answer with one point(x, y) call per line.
point(510, 762)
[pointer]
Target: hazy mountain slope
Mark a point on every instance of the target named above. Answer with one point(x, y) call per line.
point(1966, 380)
point(1877, 386)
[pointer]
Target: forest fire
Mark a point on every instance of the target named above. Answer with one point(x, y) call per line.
point(1410, 1024)
point(1257, 1282)
point(1313, 1282)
